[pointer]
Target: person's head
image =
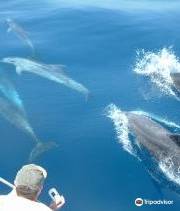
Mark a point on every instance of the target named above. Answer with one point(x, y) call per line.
point(29, 181)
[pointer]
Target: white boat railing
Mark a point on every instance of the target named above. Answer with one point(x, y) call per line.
point(6, 183)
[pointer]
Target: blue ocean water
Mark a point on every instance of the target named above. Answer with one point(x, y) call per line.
point(98, 43)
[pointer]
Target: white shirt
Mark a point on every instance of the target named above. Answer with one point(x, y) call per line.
point(12, 202)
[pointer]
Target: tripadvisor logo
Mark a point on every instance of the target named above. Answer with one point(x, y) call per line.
point(139, 202)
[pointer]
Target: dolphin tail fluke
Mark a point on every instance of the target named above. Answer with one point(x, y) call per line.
point(40, 148)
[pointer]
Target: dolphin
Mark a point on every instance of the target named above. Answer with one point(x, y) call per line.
point(52, 72)
point(176, 80)
point(16, 117)
point(20, 33)
point(162, 145)
point(13, 114)
point(159, 141)
point(9, 91)
point(40, 148)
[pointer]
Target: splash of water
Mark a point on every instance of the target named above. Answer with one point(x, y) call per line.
point(167, 167)
point(158, 66)
point(120, 122)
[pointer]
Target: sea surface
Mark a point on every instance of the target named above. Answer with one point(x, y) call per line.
point(98, 42)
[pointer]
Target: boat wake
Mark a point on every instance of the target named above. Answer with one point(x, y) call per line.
point(158, 66)
point(120, 122)
point(167, 167)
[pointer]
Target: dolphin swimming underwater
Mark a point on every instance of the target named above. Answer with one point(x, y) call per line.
point(162, 145)
point(9, 91)
point(20, 33)
point(16, 117)
point(51, 72)
point(12, 109)
point(40, 148)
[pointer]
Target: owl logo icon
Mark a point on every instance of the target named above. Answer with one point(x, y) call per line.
point(139, 202)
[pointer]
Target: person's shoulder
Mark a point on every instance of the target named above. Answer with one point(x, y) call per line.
point(32, 205)
point(43, 207)
point(3, 197)
point(2, 200)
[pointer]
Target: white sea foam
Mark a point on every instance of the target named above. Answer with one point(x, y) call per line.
point(120, 122)
point(167, 167)
point(158, 66)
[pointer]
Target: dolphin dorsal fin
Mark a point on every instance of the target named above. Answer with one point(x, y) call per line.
point(176, 138)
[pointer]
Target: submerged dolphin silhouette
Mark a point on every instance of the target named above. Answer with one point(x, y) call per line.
point(51, 72)
point(15, 116)
point(20, 33)
point(12, 109)
point(9, 91)
point(41, 148)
